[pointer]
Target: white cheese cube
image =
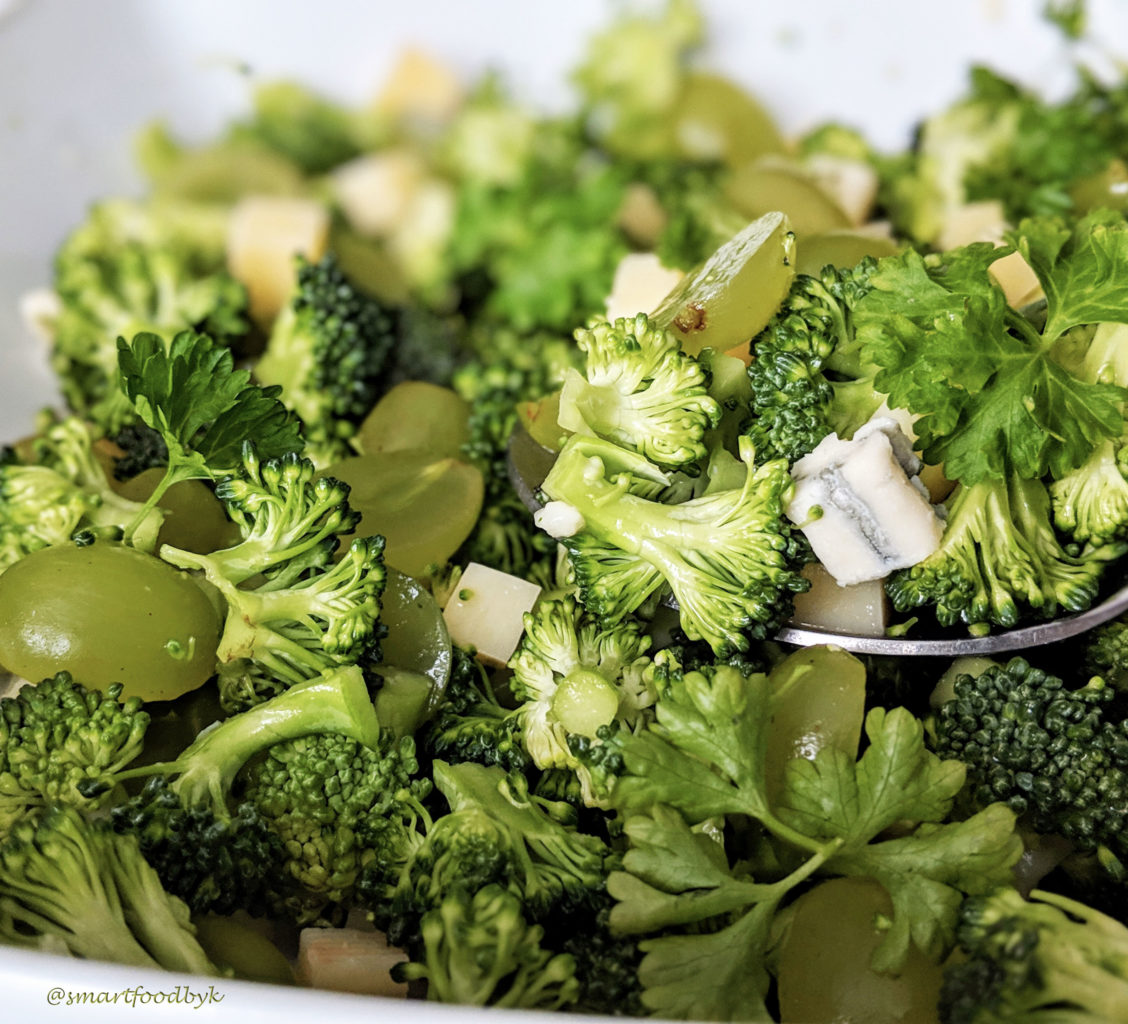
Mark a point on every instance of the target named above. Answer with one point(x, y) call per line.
point(39, 309)
point(421, 86)
point(861, 507)
point(486, 611)
point(640, 284)
point(349, 960)
point(375, 190)
point(852, 184)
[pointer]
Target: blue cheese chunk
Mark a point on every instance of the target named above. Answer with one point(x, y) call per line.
point(862, 506)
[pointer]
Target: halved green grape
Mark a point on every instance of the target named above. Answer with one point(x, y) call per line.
point(403, 702)
point(777, 184)
point(818, 701)
point(107, 613)
point(824, 963)
point(417, 639)
point(241, 947)
point(839, 248)
point(416, 414)
point(424, 506)
point(731, 296)
point(539, 418)
point(714, 119)
point(195, 520)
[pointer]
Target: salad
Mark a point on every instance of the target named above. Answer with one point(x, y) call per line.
point(307, 685)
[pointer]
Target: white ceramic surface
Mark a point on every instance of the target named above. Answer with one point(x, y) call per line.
point(77, 76)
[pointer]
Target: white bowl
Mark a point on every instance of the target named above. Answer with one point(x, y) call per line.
point(77, 77)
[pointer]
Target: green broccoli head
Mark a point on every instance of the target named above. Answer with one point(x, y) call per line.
point(1057, 755)
point(1105, 652)
point(67, 884)
point(479, 950)
point(133, 267)
point(575, 675)
point(58, 738)
point(730, 557)
point(806, 374)
point(999, 560)
point(1040, 960)
point(319, 794)
point(309, 613)
point(640, 391)
point(330, 350)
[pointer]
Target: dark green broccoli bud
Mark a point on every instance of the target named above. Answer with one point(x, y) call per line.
point(133, 267)
point(318, 794)
point(309, 613)
point(807, 377)
point(61, 491)
point(729, 557)
point(606, 965)
point(999, 561)
point(478, 950)
point(142, 448)
point(572, 674)
point(470, 723)
point(65, 883)
point(1058, 755)
point(1106, 652)
point(57, 737)
point(640, 391)
point(329, 350)
point(1042, 960)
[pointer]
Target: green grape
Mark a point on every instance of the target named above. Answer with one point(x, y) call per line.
point(107, 613)
point(416, 414)
point(776, 184)
point(715, 119)
point(818, 701)
point(243, 949)
point(839, 248)
point(1107, 189)
point(195, 520)
point(423, 505)
point(417, 640)
point(539, 418)
point(731, 296)
point(824, 964)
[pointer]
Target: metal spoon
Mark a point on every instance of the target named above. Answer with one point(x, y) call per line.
point(529, 462)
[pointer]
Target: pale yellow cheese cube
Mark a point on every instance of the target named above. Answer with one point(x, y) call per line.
point(421, 86)
point(486, 612)
point(349, 960)
point(375, 190)
point(852, 184)
point(861, 609)
point(640, 284)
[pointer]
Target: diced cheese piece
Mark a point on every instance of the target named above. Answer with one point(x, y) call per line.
point(641, 216)
point(11, 685)
point(640, 284)
point(349, 960)
point(486, 612)
point(983, 221)
point(420, 86)
point(860, 505)
point(559, 519)
point(39, 309)
point(263, 236)
point(861, 609)
point(376, 189)
point(852, 184)
point(419, 241)
point(1017, 279)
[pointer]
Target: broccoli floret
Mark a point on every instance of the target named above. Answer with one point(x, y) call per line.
point(305, 612)
point(212, 849)
point(999, 560)
point(470, 723)
point(478, 950)
point(1045, 960)
point(606, 964)
point(329, 350)
point(1106, 652)
point(574, 675)
point(1091, 502)
point(806, 373)
point(141, 447)
point(729, 557)
point(133, 267)
point(64, 490)
point(640, 391)
point(57, 735)
point(321, 795)
point(1057, 755)
point(66, 885)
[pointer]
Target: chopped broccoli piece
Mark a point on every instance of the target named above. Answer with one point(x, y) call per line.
point(68, 885)
point(640, 391)
point(1040, 961)
point(57, 736)
point(729, 557)
point(808, 379)
point(1106, 652)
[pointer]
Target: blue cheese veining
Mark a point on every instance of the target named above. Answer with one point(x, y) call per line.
point(862, 506)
